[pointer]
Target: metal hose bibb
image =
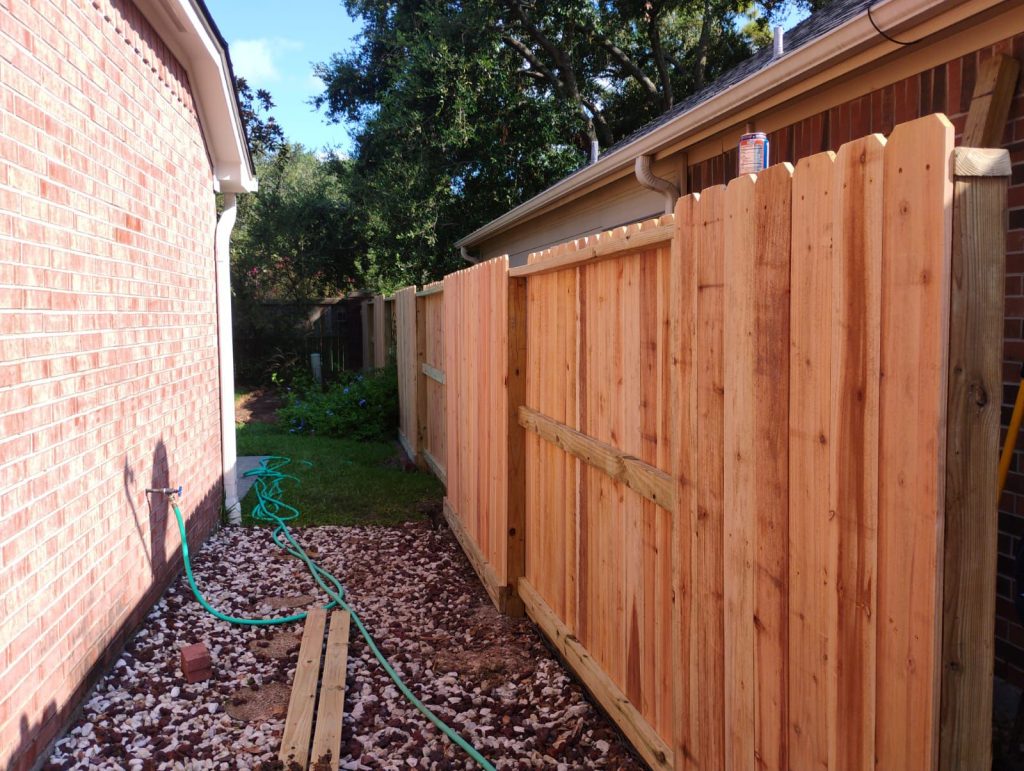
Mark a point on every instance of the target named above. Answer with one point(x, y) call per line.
point(169, 491)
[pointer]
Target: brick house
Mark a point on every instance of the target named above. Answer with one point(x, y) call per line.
point(857, 67)
point(118, 126)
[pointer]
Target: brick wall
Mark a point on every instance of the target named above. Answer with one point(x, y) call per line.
point(108, 347)
point(947, 88)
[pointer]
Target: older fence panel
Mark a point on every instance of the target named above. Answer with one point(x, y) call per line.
point(408, 369)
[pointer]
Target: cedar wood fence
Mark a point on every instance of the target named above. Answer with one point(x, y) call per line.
point(739, 463)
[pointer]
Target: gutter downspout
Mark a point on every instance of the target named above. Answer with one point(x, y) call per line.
point(229, 452)
point(647, 179)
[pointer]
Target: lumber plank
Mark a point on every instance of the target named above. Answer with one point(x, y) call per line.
point(990, 102)
point(853, 452)
point(770, 373)
point(981, 162)
point(407, 447)
point(650, 482)
point(683, 282)
point(740, 478)
point(515, 464)
point(299, 723)
point(972, 526)
point(658, 438)
point(757, 377)
point(435, 467)
point(408, 374)
point(707, 534)
point(698, 555)
point(627, 426)
point(498, 593)
point(609, 245)
point(433, 373)
point(912, 400)
point(331, 707)
point(422, 402)
point(810, 525)
point(366, 325)
point(431, 289)
point(635, 727)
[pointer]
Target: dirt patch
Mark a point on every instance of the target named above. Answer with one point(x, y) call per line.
point(278, 646)
point(259, 703)
point(487, 668)
point(259, 406)
point(297, 601)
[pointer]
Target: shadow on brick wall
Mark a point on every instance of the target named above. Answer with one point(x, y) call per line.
point(155, 547)
point(37, 736)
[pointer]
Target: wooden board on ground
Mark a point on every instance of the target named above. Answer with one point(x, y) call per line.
point(298, 726)
point(331, 708)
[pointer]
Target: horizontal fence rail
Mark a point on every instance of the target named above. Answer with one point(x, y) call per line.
point(738, 463)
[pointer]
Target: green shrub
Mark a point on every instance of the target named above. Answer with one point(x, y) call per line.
point(359, 406)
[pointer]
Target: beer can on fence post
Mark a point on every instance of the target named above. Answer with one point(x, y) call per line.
point(753, 153)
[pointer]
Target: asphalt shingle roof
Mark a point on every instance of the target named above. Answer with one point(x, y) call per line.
point(811, 28)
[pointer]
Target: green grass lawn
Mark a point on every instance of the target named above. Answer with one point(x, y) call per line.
point(349, 483)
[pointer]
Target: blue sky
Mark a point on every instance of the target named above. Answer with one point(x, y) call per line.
point(274, 44)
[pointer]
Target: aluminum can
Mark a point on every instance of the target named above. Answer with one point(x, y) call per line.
point(753, 153)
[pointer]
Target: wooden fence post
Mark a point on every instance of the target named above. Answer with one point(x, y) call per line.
point(366, 317)
point(516, 494)
point(421, 381)
point(972, 456)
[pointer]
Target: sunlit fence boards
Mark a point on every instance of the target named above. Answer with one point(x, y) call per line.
point(743, 454)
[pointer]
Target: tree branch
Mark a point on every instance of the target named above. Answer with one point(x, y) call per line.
point(539, 68)
point(653, 14)
point(623, 60)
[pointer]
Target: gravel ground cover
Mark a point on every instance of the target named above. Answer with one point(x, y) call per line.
point(490, 677)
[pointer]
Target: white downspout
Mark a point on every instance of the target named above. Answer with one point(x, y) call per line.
point(229, 452)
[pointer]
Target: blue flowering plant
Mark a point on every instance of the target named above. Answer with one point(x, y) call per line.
point(360, 406)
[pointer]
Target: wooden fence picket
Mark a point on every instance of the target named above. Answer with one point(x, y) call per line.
point(707, 454)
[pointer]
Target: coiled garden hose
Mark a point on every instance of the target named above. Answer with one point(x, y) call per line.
point(270, 509)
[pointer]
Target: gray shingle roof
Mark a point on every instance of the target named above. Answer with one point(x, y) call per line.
point(811, 28)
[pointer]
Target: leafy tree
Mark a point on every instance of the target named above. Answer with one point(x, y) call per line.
point(450, 134)
point(293, 237)
point(465, 108)
point(261, 128)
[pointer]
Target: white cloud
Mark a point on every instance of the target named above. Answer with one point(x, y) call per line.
point(254, 60)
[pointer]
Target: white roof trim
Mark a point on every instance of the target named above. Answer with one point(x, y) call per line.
point(182, 25)
point(831, 48)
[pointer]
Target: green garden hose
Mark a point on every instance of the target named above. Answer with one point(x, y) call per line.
point(271, 509)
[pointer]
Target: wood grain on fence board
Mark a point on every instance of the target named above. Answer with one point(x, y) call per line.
point(782, 362)
point(811, 582)
point(853, 451)
point(917, 192)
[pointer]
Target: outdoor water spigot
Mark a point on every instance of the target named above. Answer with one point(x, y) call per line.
point(176, 491)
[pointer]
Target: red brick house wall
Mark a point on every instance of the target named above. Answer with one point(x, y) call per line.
point(108, 345)
point(947, 88)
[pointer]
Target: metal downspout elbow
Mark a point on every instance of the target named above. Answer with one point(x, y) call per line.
point(647, 179)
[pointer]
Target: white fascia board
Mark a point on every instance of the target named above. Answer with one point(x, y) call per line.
point(182, 25)
point(828, 50)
